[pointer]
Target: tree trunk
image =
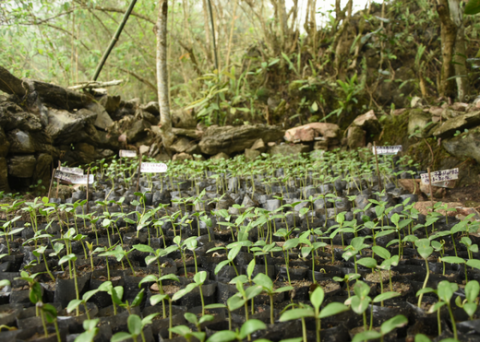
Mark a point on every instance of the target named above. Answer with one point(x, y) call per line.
point(456, 15)
point(162, 74)
point(449, 35)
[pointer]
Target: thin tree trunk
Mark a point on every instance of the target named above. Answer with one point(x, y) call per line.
point(162, 74)
point(449, 35)
point(456, 14)
point(207, 31)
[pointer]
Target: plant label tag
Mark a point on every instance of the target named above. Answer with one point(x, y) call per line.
point(73, 170)
point(441, 178)
point(74, 179)
point(82, 179)
point(153, 168)
point(388, 150)
point(128, 154)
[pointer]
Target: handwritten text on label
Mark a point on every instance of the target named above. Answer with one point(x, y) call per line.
point(388, 149)
point(440, 176)
point(153, 167)
point(128, 154)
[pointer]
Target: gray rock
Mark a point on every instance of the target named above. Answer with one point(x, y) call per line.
point(356, 137)
point(286, 149)
point(110, 103)
point(21, 142)
point(163, 197)
point(466, 145)
point(22, 166)
point(184, 119)
point(137, 131)
point(252, 154)
point(62, 124)
point(259, 145)
point(220, 155)
point(151, 107)
point(103, 120)
point(272, 205)
point(43, 171)
point(181, 145)
point(4, 186)
point(418, 120)
point(232, 184)
point(248, 202)
point(182, 157)
point(231, 139)
point(449, 127)
point(4, 144)
point(361, 201)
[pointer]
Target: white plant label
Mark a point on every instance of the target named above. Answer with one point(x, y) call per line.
point(440, 176)
point(74, 179)
point(388, 150)
point(153, 168)
point(128, 154)
point(74, 170)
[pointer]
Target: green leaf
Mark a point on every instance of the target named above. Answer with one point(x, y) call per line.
point(292, 243)
point(134, 325)
point(251, 326)
point(233, 252)
point(181, 330)
point(361, 289)
point(357, 243)
point(200, 277)
point(66, 258)
point(4, 282)
point(148, 279)
point(253, 291)
point(472, 7)
point(190, 317)
point(264, 281)
point(332, 309)
point(470, 308)
point(89, 294)
point(117, 294)
point(385, 296)
point(425, 252)
point(453, 260)
point(250, 268)
point(367, 335)
point(445, 290)
point(144, 248)
point(472, 290)
point(393, 323)
point(422, 338)
point(138, 298)
point(381, 252)
point(317, 297)
point(221, 265)
point(296, 314)
point(149, 319)
point(223, 336)
point(473, 263)
point(86, 336)
point(367, 262)
point(235, 302)
point(154, 300)
point(74, 303)
point(359, 305)
point(206, 318)
point(120, 336)
point(425, 290)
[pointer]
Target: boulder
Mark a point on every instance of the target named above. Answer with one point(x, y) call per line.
point(137, 131)
point(418, 120)
point(259, 145)
point(21, 142)
point(152, 108)
point(62, 124)
point(110, 103)
point(180, 145)
point(22, 166)
point(4, 186)
point(182, 157)
point(286, 149)
point(11, 119)
point(311, 131)
point(103, 120)
point(231, 139)
point(221, 155)
point(356, 137)
point(162, 157)
point(193, 149)
point(449, 127)
point(108, 140)
point(252, 154)
point(321, 145)
point(183, 119)
point(152, 119)
point(4, 144)
point(465, 145)
point(368, 122)
point(43, 171)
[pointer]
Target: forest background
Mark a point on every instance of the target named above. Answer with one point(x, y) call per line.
point(280, 61)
